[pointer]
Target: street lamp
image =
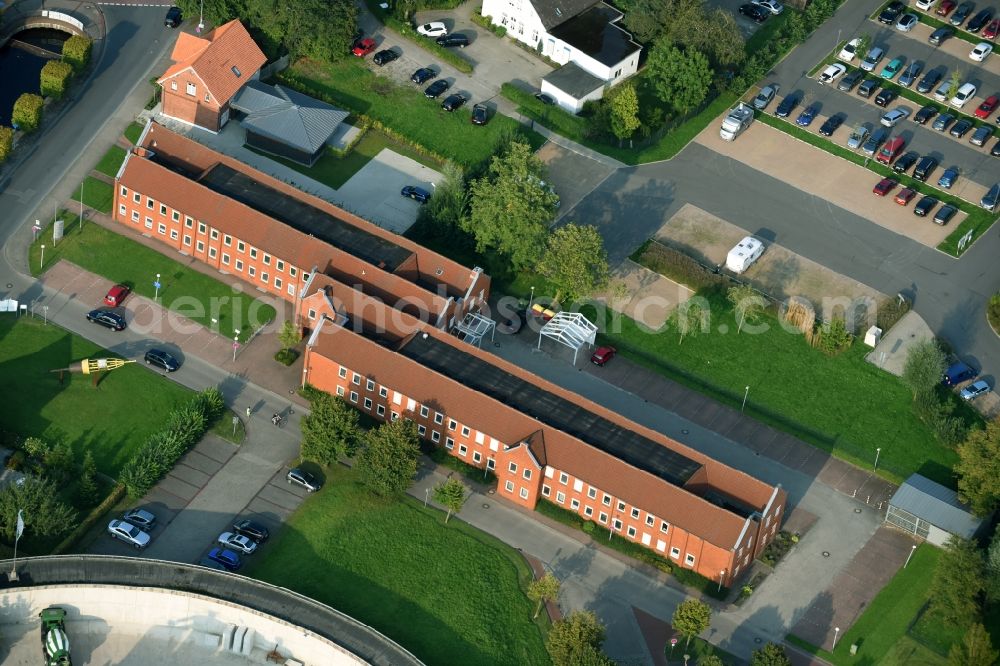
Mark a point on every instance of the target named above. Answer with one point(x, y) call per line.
point(878, 450)
point(836, 632)
point(41, 261)
point(532, 299)
point(722, 574)
point(427, 493)
point(156, 285)
point(912, 550)
point(236, 343)
point(745, 394)
point(45, 311)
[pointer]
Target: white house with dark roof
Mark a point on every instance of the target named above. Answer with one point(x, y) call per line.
point(584, 33)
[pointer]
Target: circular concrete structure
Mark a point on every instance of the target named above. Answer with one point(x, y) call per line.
point(125, 610)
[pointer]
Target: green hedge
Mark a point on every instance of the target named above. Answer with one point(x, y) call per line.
point(76, 51)
point(96, 513)
point(6, 143)
point(55, 78)
point(27, 115)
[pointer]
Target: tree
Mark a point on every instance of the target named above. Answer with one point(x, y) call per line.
point(624, 111)
point(55, 78)
point(958, 582)
point(864, 43)
point(44, 513)
point(680, 78)
point(6, 143)
point(35, 447)
point(575, 261)
point(76, 51)
point(578, 634)
point(711, 660)
point(289, 334)
point(27, 114)
point(542, 590)
point(690, 317)
point(976, 649)
point(993, 569)
point(331, 431)
point(747, 304)
point(978, 469)
point(687, 24)
point(955, 81)
point(452, 493)
point(58, 462)
point(770, 655)
point(87, 491)
point(691, 618)
point(388, 461)
point(925, 363)
point(511, 207)
point(447, 207)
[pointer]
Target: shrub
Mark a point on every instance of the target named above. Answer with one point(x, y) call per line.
point(286, 356)
point(677, 266)
point(27, 115)
point(6, 143)
point(834, 337)
point(16, 460)
point(96, 514)
point(992, 310)
point(76, 51)
point(55, 78)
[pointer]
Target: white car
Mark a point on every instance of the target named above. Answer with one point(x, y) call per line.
point(964, 94)
point(890, 118)
point(433, 29)
point(925, 5)
point(850, 50)
point(906, 22)
point(238, 542)
point(772, 6)
point(128, 533)
point(832, 73)
point(980, 52)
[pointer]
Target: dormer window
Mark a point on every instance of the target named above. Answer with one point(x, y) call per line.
point(236, 71)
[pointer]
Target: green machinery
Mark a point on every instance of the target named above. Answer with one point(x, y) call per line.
point(55, 643)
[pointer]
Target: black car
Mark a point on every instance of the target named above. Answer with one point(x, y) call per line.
point(831, 124)
point(995, 150)
point(981, 135)
point(852, 79)
point(480, 114)
point(867, 88)
point(547, 99)
point(107, 318)
point(251, 530)
point(422, 74)
point(962, 13)
point(939, 35)
point(891, 13)
point(907, 160)
point(944, 214)
point(787, 105)
point(416, 193)
point(943, 122)
point(925, 166)
point(755, 13)
point(961, 128)
point(435, 89)
point(300, 477)
point(981, 18)
point(884, 97)
point(924, 206)
point(453, 102)
point(925, 114)
point(930, 80)
point(384, 57)
point(452, 40)
point(161, 359)
point(174, 17)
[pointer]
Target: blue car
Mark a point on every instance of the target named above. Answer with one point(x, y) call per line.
point(948, 178)
point(226, 558)
point(807, 116)
point(416, 193)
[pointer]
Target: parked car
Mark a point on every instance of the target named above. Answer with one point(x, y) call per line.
point(787, 105)
point(423, 74)
point(925, 167)
point(890, 118)
point(108, 319)
point(453, 102)
point(988, 106)
point(227, 558)
point(161, 359)
point(991, 198)
point(930, 80)
point(875, 141)
point(480, 114)
point(300, 477)
point(765, 96)
point(832, 73)
point(977, 22)
point(602, 355)
point(995, 150)
point(173, 18)
point(906, 22)
point(858, 136)
point(807, 116)
point(991, 30)
point(940, 35)
point(944, 214)
point(850, 50)
point(925, 206)
point(453, 40)
point(975, 389)
point(980, 51)
point(385, 57)
point(890, 150)
point(884, 97)
point(850, 80)
point(943, 92)
point(910, 74)
point(981, 135)
point(925, 114)
point(961, 128)
point(946, 7)
point(129, 533)
point(948, 178)
point(251, 529)
point(904, 196)
point(433, 29)
point(545, 99)
point(943, 122)
point(238, 542)
point(772, 6)
point(884, 186)
point(435, 89)
point(892, 69)
point(868, 87)
point(211, 564)
point(418, 194)
point(957, 373)
point(961, 13)
point(116, 295)
point(141, 518)
point(906, 161)
point(875, 54)
point(925, 5)
point(754, 13)
point(891, 12)
point(831, 124)
point(363, 47)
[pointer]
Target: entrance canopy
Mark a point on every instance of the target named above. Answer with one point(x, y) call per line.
point(474, 327)
point(571, 329)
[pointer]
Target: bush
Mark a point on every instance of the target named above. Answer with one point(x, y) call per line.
point(96, 514)
point(677, 266)
point(286, 356)
point(992, 310)
point(55, 78)
point(487, 22)
point(834, 338)
point(6, 143)
point(76, 51)
point(16, 460)
point(27, 115)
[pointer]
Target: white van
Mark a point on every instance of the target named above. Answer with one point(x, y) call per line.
point(964, 94)
point(744, 254)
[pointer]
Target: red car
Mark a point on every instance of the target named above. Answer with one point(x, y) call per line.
point(905, 195)
point(945, 7)
point(603, 355)
point(884, 186)
point(987, 107)
point(363, 47)
point(991, 30)
point(116, 295)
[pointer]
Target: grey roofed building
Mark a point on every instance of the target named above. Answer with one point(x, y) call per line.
point(573, 80)
point(554, 12)
point(285, 122)
point(931, 511)
point(594, 32)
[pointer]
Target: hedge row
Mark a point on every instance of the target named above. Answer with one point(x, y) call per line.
point(96, 513)
point(157, 456)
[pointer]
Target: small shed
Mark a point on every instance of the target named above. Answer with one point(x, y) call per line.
point(744, 254)
point(571, 86)
point(930, 511)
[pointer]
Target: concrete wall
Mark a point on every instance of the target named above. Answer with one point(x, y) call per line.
point(172, 616)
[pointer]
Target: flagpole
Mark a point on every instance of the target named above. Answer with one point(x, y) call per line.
point(17, 537)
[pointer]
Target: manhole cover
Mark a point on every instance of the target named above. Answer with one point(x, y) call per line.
point(10, 285)
point(684, 432)
point(757, 640)
point(486, 505)
point(496, 344)
point(490, 491)
point(857, 511)
point(826, 553)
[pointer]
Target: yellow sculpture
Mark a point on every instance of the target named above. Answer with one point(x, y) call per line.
point(92, 366)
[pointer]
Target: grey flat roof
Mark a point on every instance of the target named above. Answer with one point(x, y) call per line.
point(553, 410)
point(595, 33)
point(573, 80)
point(937, 505)
point(554, 12)
point(287, 116)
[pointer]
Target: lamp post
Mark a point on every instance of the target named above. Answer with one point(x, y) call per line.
point(427, 494)
point(836, 632)
point(236, 343)
point(912, 550)
point(41, 261)
point(156, 285)
point(745, 394)
point(722, 575)
point(532, 299)
point(878, 450)
point(201, 18)
point(45, 314)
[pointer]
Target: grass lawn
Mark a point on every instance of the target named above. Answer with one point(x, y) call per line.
point(448, 593)
point(112, 161)
point(195, 295)
point(112, 421)
point(334, 171)
point(841, 416)
point(351, 85)
point(133, 131)
point(96, 193)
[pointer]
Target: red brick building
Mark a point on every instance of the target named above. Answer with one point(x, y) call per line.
point(207, 73)
point(378, 310)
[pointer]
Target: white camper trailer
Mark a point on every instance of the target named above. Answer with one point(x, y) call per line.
point(744, 254)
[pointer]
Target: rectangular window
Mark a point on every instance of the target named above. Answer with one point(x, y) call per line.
point(603, 517)
point(266, 259)
point(509, 486)
point(279, 266)
point(149, 224)
point(163, 209)
point(635, 512)
point(201, 228)
point(574, 504)
point(650, 520)
point(606, 500)
point(200, 245)
point(465, 431)
point(212, 252)
point(173, 234)
point(312, 313)
point(592, 492)
point(122, 210)
point(452, 424)
point(136, 197)
point(631, 532)
point(563, 478)
point(524, 493)
point(675, 552)
point(225, 259)
point(545, 491)
point(162, 228)
point(380, 410)
point(354, 396)
point(664, 526)
point(424, 412)
point(477, 456)
point(435, 436)
point(421, 430)
point(175, 216)
point(621, 505)
point(449, 443)
point(292, 271)
point(227, 240)
point(383, 392)
point(527, 474)
point(277, 283)
point(135, 216)
point(187, 239)
point(241, 246)
point(343, 372)
point(561, 497)
point(124, 191)
point(264, 277)
point(512, 467)
point(356, 379)
point(149, 203)
point(340, 391)
point(291, 290)
point(214, 235)
point(370, 385)
point(192, 89)
point(239, 265)
point(251, 271)
point(395, 416)
point(253, 253)
point(438, 418)
point(368, 403)
point(617, 525)
point(588, 511)
point(462, 449)
point(689, 559)
point(188, 222)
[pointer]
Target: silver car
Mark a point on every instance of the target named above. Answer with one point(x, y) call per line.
point(129, 533)
point(991, 198)
point(140, 518)
point(238, 542)
point(858, 137)
point(975, 389)
point(765, 96)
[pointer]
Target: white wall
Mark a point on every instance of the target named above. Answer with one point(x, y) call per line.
point(568, 102)
point(562, 53)
point(937, 536)
point(521, 20)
